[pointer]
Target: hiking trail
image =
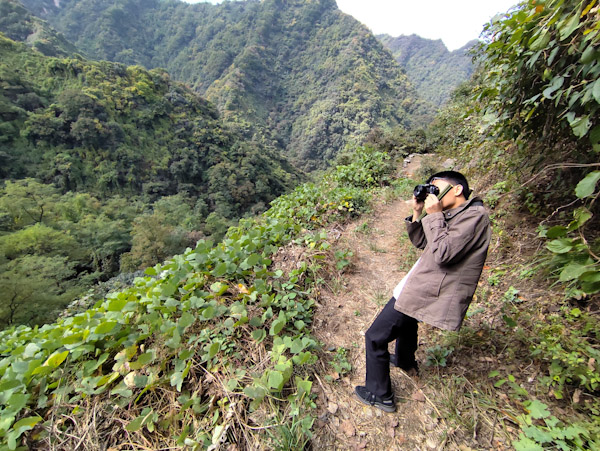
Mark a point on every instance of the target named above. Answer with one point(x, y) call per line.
point(345, 312)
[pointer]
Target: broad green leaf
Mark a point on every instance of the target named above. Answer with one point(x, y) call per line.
point(587, 186)
point(259, 335)
point(567, 29)
point(275, 380)
point(105, 327)
point(214, 348)
point(136, 424)
point(107, 379)
point(19, 427)
point(56, 359)
point(28, 422)
point(208, 312)
point(591, 276)
point(297, 346)
point(277, 326)
point(541, 41)
point(116, 305)
point(30, 350)
point(220, 270)
point(581, 126)
point(304, 386)
point(588, 55)
point(143, 360)
point(303, 357)
point(253, 260)
point(556, 232)
point(15, 403)
point(581, 215)
point(526, 444)
point(560, 246)
point(509, 321)
point(596, 90)
point(187, 319)
point(538, 409)
point(573, 271)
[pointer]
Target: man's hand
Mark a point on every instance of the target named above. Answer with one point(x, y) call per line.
point(417, 208)
point(433, 204)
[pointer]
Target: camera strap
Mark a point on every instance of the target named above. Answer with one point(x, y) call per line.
point(442, 194)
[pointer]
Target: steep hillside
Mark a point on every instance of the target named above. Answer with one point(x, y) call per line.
point(298, 73)
point(98, 159)
point(433, 70)
point(17, 23)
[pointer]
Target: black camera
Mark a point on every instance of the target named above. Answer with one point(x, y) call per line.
point(422, 191)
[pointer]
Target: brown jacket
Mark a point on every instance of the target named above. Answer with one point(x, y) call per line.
point(440, 287)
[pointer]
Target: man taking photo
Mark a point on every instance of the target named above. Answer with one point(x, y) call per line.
point(455, 234)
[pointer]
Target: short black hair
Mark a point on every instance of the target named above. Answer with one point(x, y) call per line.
point(453, 177)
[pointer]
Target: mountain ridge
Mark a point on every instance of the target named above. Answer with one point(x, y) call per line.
point(434, 70)
point(300, 74)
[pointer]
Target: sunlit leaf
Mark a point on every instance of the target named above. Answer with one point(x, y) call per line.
point(587, 186)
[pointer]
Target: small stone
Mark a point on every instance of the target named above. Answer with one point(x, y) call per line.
point(348, 428)
point(431, 444)
point(362, 445)
point(418, 396)
point(332, 408)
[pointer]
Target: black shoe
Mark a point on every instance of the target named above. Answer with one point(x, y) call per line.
point(412, 370)
point(366, 397)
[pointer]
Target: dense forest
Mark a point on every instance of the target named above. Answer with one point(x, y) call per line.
point(433, 70)
point(109, 167)
point(299, 73)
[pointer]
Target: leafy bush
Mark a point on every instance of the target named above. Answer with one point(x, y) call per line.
point(367, 168)
point(541, 69)
point(575, 260)
point(569, 343)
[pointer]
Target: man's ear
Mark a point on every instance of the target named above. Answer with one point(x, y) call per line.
point(459, 189)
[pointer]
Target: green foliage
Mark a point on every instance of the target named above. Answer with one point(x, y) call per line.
point(301, 74)
point(432, 69)
point(19, 24)
point(575, 260)
point(340, 363)
point(363, 168)
point(540, 429)
point(541, 69)
point(194, 321)
point(171, 170)
point(438, 355)
point(568, 342)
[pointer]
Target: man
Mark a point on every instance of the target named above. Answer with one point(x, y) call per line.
point(455, 235)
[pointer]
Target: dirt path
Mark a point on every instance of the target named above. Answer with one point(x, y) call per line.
point(380, 261)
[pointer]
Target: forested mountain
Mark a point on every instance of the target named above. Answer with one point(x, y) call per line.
point(433, 70)
point(19, 24)
point(124, 159)
point(297, 73)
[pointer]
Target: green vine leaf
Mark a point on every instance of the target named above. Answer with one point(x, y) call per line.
point(587, 186)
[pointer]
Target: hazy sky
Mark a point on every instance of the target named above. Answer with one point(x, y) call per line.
point(453, 21)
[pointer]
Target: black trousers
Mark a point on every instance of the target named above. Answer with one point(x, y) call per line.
point(389, 325)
